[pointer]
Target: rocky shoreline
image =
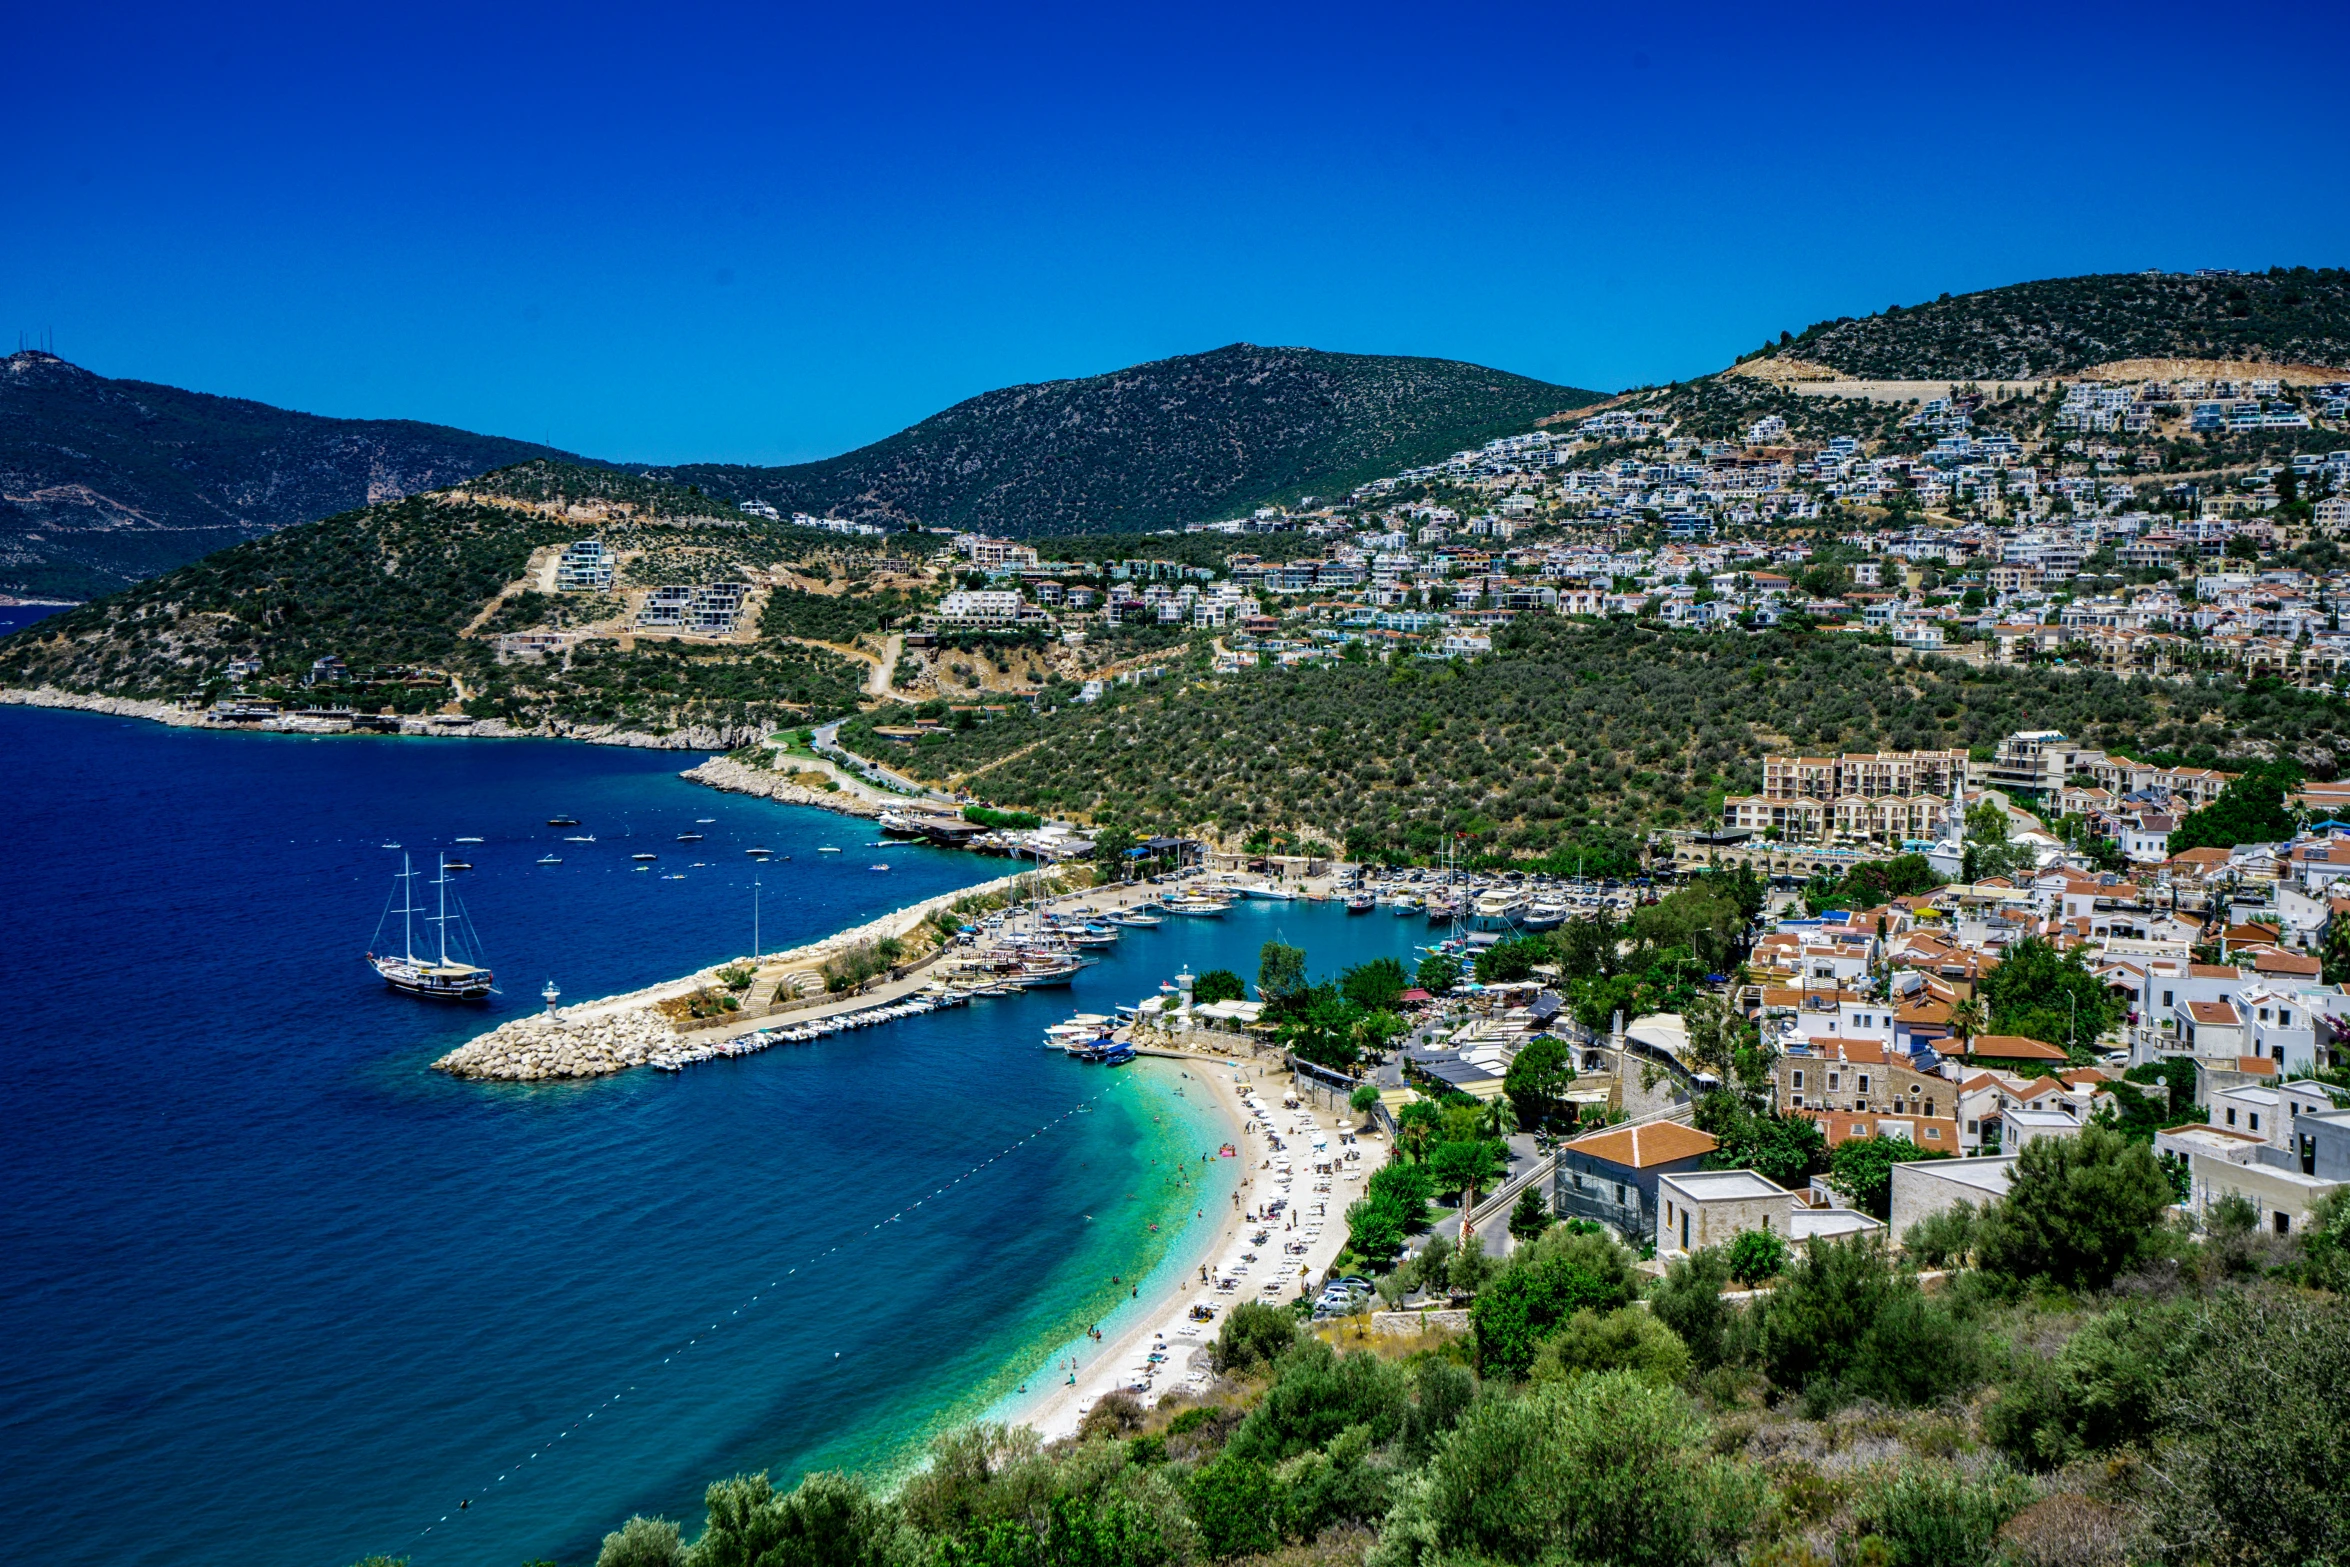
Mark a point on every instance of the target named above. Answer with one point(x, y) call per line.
point(599, 1038)
point(694, 737)
point(733, 777)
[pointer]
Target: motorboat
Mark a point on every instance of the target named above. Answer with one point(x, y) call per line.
point(562, 821)
point(465, 840)
point(583, 838)
point(827, 849)
point(689, 837)
point(550, 859)
point(1137, 921)
point(1187, 903)
point(1502, 903)
point(643, 857)
point(1543, 914)
point(1361, 903)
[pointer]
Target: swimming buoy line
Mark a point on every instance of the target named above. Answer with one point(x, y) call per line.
point(465, 1507)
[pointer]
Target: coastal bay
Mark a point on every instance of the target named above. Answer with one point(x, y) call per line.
point(263, 1235)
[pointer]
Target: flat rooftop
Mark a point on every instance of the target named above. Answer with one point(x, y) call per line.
point(1725, 1185)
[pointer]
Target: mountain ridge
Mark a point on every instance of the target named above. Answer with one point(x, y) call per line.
point(1182, 439)
point(2057, 326)
point(105, 481)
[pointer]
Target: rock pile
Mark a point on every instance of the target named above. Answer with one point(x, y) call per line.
point(538, 1049)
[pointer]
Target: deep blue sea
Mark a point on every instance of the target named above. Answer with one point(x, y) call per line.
point(276, 1293)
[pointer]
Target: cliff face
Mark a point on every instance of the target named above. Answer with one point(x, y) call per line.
point(1179, 440)
point(104, 483)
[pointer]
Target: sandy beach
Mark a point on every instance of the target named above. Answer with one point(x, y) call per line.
point(1161, 1320)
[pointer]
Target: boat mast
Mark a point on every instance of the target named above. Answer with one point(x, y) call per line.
point(407, 907)
point(443, 884)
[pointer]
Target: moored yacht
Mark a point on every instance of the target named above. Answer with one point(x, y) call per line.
point(437, 975)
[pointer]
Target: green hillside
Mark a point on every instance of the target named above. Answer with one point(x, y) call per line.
point(395, 589)
point(2287, 315)
point(1572, 735)
point(103, 482)
point(1181, 440)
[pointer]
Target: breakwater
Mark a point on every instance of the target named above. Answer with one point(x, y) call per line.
point(601, 1037)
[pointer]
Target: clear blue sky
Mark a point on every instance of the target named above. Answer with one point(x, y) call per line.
point(766, 233)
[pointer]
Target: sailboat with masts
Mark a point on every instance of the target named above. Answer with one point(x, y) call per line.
point(436, 974)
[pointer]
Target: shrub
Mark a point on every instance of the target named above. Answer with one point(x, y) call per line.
point(1603, 1469)
point(1757, 1255)
point(1862, 1169)
point(1254, 1334)
point(2259, 1458)
point(1316, 1394)
point(1627, 1339)
point(1688, 1299)
point(1932, 1514)
point(643, 1542)
point(2079, 1211)
point(1943, 1240)
point(1113, 1414)
point(2106, 1387)
point(1236, 1506)
point(829, 1521)
point(1442, 1392)
point(1558, 1275)
point(1825, 1304)
point(1916, 1351)
point(1217, 984)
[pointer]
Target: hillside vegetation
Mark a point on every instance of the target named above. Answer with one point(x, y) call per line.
point(2097, 1388)
point(104, 482)
point(395, 589)
point(1159, 445)
point(2057, 326)
point(1570, 737)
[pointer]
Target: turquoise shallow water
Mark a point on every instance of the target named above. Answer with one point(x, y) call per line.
point(279, 1294)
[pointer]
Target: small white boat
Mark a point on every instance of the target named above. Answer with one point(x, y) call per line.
point(465, 840)
point(827, 849)
point(550, 859)
point(387, 846)
point(880, 867)
point(582, 838)
point(704, 821)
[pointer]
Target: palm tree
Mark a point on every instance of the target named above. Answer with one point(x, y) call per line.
point(1969, 1018)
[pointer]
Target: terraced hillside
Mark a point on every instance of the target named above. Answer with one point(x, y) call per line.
point(1180, 440)
point(2057, 326)
point(412, 594)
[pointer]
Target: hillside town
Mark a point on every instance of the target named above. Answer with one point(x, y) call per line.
point(1949, 532)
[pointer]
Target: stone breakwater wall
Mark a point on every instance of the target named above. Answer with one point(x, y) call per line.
point(598, 1038)
point(739, 778)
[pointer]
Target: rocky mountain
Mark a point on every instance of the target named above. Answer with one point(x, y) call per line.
point(1179, 440)
point(105, 482)
point(2057, 326)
